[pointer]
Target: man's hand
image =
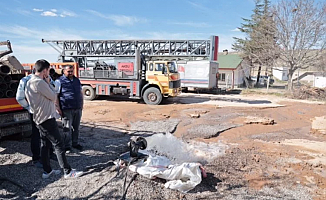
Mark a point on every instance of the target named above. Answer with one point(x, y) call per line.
point(57, 107)
point(60, 112)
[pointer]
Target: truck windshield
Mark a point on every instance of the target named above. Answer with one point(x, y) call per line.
point(172, 67)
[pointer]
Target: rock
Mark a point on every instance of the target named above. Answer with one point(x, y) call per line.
point(319, 124)
point(195, 115)
point(166, 116)
point(259, 120)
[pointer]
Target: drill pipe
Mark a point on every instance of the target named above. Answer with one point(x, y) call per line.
point(7, 79)
point(10, 93)
point(4, 69)
point(3, 86)
point(13, 85)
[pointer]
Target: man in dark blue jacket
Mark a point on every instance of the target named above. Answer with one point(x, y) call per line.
point(70, 100)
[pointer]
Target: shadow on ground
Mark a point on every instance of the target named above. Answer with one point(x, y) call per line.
point(165, 101)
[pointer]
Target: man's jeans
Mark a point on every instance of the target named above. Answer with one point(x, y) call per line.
point(71, 121)
point(36, 141)
point(50, 134)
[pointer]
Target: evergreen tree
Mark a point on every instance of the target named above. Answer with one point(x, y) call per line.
point(259, 46)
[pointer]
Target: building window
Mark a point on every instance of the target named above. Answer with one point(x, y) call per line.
point(221, 77)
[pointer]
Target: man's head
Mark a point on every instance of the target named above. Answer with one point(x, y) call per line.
point(68, 71)
point(42, 67)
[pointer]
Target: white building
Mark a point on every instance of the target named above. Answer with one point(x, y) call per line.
point(281, 73)
point(319, 80)
point(231, 73)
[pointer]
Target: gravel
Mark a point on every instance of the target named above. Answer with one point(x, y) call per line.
point(207, 131)
point(226, 175)
point(150, 127)
point(280, 136)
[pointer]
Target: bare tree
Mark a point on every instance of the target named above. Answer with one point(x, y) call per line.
point(321, 63)
point(301, 33)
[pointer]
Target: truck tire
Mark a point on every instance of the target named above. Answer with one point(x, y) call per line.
point(152, 96)
point(88, 92)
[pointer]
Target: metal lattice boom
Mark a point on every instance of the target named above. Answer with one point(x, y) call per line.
point(110, 48)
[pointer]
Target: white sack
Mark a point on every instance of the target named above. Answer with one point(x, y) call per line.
point(183, 177)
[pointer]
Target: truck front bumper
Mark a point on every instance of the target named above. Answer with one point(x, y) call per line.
point(174, 92)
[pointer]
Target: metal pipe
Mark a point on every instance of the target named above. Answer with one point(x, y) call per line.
point(7, 78)
point(10, 93)
point(1, 79)
point(13, 85)
point(3, 86)
point(4, 69)
point(1, 94)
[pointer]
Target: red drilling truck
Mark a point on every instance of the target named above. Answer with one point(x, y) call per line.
point(14, 119)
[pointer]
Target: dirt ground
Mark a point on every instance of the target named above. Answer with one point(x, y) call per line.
point(283, 160)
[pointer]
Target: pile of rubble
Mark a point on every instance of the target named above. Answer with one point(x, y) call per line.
point(307, 92)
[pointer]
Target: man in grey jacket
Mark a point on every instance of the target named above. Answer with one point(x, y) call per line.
point(41, 97)
point(35, 137)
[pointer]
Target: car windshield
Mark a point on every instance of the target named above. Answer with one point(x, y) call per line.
point(172, 67)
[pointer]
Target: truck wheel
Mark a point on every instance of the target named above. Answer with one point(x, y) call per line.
point(152, 96)
point(88, 92)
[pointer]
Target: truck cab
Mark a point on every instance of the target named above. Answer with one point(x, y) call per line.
point(165, 76)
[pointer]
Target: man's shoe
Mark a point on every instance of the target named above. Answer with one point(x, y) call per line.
point(68, 150)
point(78, 146)
point(37, 164)
point(47, 175)
point(74, 174)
